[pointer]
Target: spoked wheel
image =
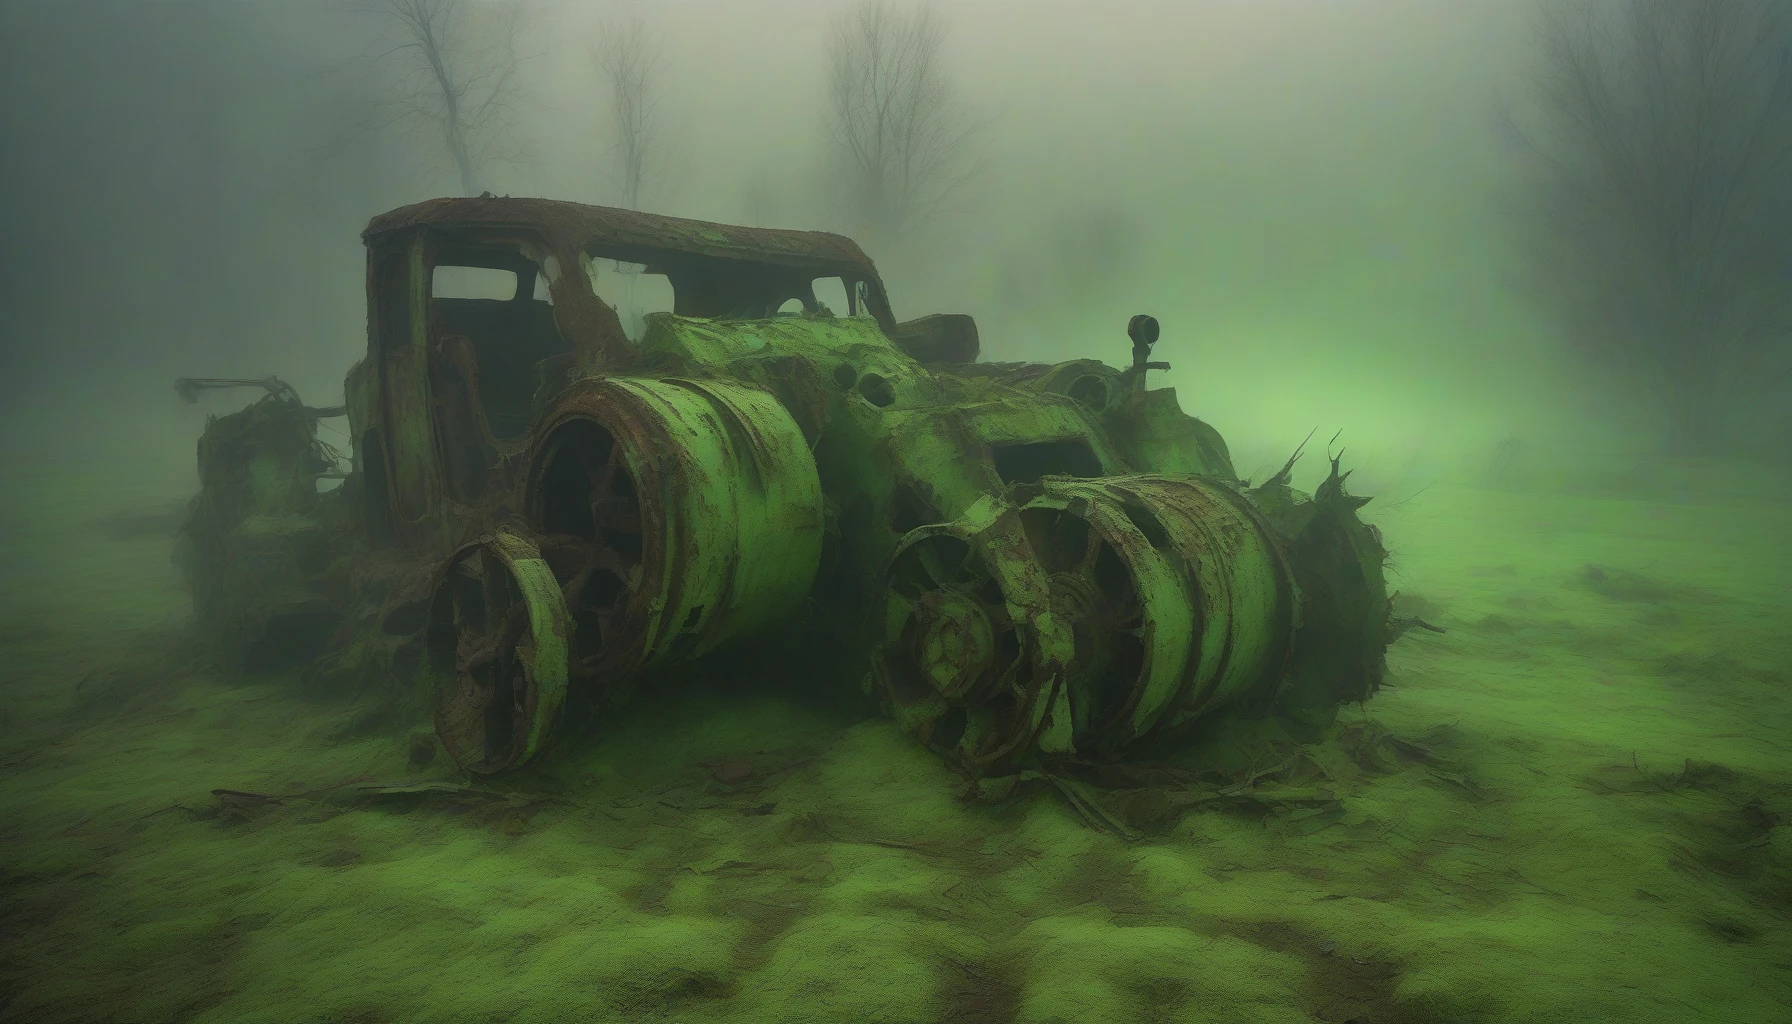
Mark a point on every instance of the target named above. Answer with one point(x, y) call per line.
point(955, 668)
point(1093, 587)
point(595, 542)
point(959, 636)
point(497, 644)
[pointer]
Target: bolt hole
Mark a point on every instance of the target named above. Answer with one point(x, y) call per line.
point(877, 390)
point(1091, 391)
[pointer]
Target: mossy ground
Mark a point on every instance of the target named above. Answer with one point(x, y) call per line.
point(1593, 834)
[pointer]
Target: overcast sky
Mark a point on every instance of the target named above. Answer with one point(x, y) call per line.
point(1302, 191)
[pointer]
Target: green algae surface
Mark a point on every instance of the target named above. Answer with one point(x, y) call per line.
point(1576, 804)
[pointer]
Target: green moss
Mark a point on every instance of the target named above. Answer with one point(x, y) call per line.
point(845, 967)
point(1540, 849)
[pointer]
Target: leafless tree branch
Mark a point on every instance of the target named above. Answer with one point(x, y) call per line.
point(629, 62)
point(451, 69)
point(896, 121)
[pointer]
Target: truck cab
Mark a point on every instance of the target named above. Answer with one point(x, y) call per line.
point(479, 310)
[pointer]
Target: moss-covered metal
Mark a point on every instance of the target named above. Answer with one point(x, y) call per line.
point(258, 543)
point(498, 644)
point(1020, 562)
point(680, 514)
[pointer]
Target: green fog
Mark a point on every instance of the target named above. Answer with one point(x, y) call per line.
point(1569, 800)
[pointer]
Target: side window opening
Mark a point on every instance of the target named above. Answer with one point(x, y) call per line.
point(491, 322)
point(831, 293)
point(632, 289)
point(842, 297)
point(489, 283)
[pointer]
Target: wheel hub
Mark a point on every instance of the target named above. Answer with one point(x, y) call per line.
point(958, 642)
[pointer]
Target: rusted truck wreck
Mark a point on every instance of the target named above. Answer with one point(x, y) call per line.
point(544, 509)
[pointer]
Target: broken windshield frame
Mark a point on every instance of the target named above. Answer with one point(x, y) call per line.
point(725, 289)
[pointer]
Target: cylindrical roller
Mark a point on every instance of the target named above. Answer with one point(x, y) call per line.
point(1185, 600)
point(1130, 604)
point(678, 514)
point(1173, 594)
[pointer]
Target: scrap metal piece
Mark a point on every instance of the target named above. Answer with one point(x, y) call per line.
point(189, 388)
point(948, 338)
point(257, 544)
point(1340, 655)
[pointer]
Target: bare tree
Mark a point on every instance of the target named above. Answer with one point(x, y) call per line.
point(896, 122)
point(452, 71)
point(629, 60)
point(1659, 198)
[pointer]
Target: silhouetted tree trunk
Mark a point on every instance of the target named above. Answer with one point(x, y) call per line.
point(1659, 213)
point(628, 61)
point(896, 121)
point(453, 70)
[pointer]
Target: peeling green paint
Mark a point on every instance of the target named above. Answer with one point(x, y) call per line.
point(726, 495)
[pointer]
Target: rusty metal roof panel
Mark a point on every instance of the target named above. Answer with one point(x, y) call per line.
point(576, 224)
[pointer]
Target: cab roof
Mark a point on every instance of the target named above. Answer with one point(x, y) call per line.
point(630, 235)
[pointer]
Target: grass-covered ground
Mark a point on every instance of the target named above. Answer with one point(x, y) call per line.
point(1566, 808)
